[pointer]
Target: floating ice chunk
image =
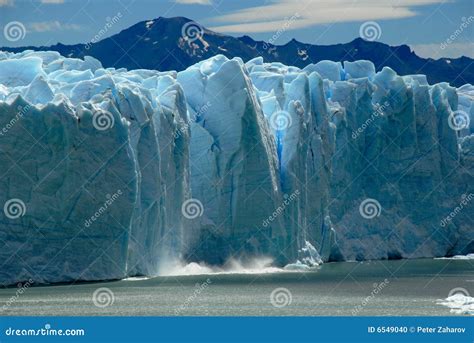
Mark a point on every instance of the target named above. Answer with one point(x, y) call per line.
point(459, 304)
point(458, 257)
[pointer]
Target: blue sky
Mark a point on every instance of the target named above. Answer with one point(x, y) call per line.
point(422, 24)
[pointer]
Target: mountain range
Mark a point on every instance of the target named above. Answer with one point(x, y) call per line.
point(162, 44)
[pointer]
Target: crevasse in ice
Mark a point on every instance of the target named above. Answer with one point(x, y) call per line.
point(331, 162)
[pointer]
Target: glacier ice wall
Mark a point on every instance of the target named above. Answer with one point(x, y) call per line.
point(90, 158)
point(330, 162)
point(240, 164)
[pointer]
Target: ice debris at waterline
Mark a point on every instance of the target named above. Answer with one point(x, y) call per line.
point(458, 303)
point(109, 173)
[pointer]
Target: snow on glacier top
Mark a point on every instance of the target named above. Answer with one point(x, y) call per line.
point(41, 76)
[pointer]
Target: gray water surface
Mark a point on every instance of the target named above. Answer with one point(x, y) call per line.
point(402, 287)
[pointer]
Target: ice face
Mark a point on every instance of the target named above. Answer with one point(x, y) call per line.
point(465, 114)
point(325, 163)
point(327, 69)
point(234, 163)
point(91, 169)
point(20, 72)
point(359, 69)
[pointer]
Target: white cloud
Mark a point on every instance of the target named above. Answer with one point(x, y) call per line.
point(6, 3)
point(453, 50)
point(273, 16)
point(196, 2)
point(45, 26)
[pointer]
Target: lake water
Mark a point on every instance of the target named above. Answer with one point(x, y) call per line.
point(401, 287)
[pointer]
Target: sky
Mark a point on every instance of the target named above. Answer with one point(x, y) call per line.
point(432, 28)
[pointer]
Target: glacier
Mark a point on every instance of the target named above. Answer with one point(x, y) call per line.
point(109, 173)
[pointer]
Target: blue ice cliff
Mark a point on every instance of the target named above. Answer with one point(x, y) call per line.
point(109, 173)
